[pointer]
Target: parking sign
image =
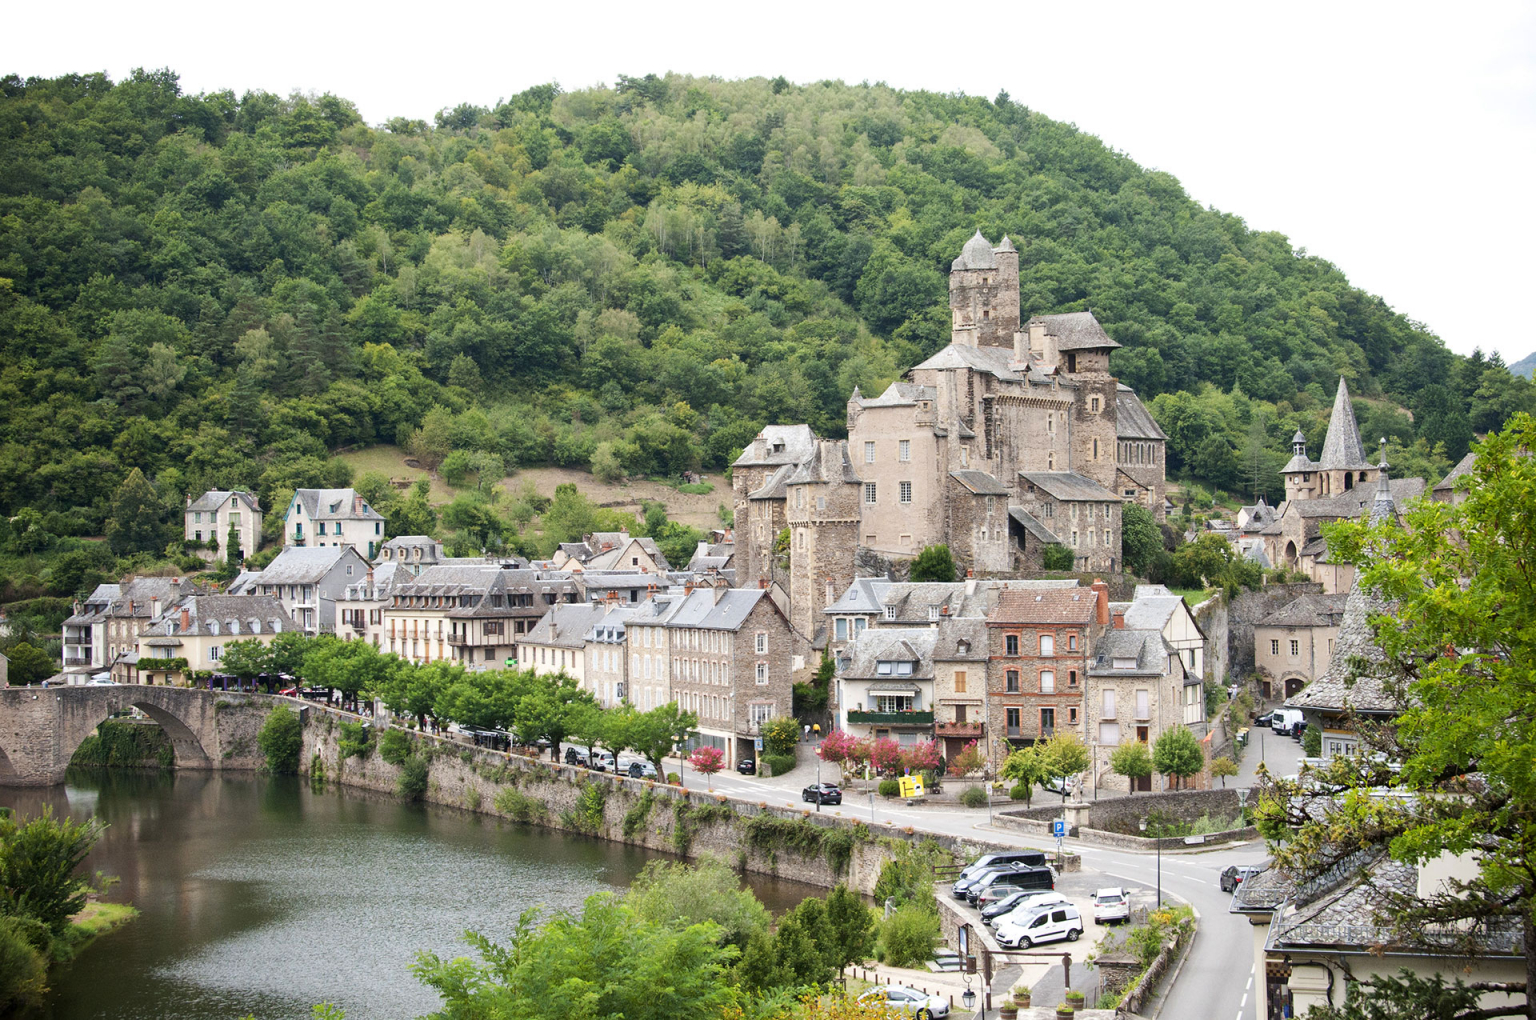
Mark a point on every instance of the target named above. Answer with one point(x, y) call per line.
point(1058, 828)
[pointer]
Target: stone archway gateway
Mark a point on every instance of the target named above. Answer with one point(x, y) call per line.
point(41, 727)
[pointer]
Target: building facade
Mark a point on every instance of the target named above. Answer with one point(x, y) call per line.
point(329, 518)
point(1293, 645)
point(211, 518)
point(1038, 650)
point(198, 629)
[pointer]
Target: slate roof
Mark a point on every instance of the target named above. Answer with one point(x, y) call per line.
point(377, 587)
point(899, 394)
point(970, 630)
point(773, 488)
point(1354, 502)
point(134, 597)
point(96, 605)
point(1342, 449)
point(977, 254)
point(996, 361)
point(1132, 419)
point(1463, 466)
point(797, 442)
point(862, 596)
point(334, 504)
point(828, 462)
point(566, 625)
point(979, 482)
point(1076, 331)
point(892, 644)
point(701, 611)
point(1058, 605)
point(1146, 648)
point(609, 558)
point(1069, 485)
point(234, 616)
point(1152, 606)
point(1028, 523)
point(298, 564)
point(1308, 611)
point(213, 499)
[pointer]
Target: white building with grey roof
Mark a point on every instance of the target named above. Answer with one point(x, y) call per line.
point(194, 633)
point(333, 518)
point(217, 514)
point(308, 582)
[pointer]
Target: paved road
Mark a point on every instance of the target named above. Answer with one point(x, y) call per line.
point(1217, 980)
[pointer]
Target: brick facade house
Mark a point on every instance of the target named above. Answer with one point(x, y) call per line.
point(1038, 651)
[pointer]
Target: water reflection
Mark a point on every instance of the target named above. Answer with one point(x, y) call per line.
point(259, 895)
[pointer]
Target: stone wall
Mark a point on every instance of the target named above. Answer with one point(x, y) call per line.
point(1247, 609)
point(1211, 615)
point(1101, 817)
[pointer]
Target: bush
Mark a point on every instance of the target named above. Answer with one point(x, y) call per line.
point(909, 936)
point(975, 797)
point(356, 741)
point(1057, 557)
point(781, 735)
point(890, 788)
point(696, 488)
point(23, 972)
point(778, 764)
point(412, 784)
point(1312, 741)
point(1019, 791)
point(281, 741)
point(395, 746)
point(674, 778)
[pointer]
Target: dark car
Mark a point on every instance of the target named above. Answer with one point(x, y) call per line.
point(1265, 720)
point(999, 907)
point(747, 767)
point(822, 793)
point(1035, 879)
point(1233, 876)
point(638, 768)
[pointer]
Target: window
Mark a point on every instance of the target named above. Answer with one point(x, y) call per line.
point(1074, 539)
point(1050, 424)
point(821, 502)
point(1106, 537)
point(1013, 715)
point(1274, 647)
point(841, 629)
point(1143, 705)
point(1295, 647)
point(1107, 515)
point(890, 612)
point(1109, 733)
point(905, 489)
point(1011, 644)
point(869, 492)
point(197, 517)
point(213, 653)
point(1047, 721)
point(762, 643)
point(1108, 703)
point(893, 703)
point(1047, 644)
point(234, 519)
point(759, 714)
point(1072, 715)
point(1095, 449)
point(198, 535)
point(959, 681)
point(965, 456)
point(869, 453)
point(904, 450)
point(1047, 681)
point(1071, 678)
point(1011, 682)
point(1050, 510)
point(1093, 405)
point(933, 613)
point(1071, 642)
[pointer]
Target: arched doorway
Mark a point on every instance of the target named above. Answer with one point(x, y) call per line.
point(1293, 685)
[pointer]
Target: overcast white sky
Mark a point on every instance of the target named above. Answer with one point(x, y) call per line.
point(1396, 140)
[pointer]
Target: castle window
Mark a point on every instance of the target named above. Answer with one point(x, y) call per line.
point(965, 456)
point(904, 450)
point(1074, 540)
point(1050, 510)
point(1095, 449)
point(905, 489)
point(1050, 423)
point(869, 453)
point(1093, 404)
point(869, 488)
point(821, 502)
point(1106, 538)
point(1050, 462)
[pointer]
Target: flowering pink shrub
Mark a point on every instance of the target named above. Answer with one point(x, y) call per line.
point(923, 757)
point(837, 746)
point(885, 757)
point(707, 760)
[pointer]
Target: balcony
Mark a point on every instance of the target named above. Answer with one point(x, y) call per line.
point(913, 718)
point(958, 729)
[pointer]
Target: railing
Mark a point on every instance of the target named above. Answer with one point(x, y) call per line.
point(958, 729)
point(913, 718)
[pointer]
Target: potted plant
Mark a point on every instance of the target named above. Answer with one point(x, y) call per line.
point(1007, 1010)
point(1021, 996)
point(1075, 998)
point(1064, 1012)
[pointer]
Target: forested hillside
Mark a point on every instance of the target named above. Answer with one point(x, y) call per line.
point(222, 291)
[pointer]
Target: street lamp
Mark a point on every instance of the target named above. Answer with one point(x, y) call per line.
point(682, 760)
point(1143, 826)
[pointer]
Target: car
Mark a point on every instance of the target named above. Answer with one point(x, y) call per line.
point(1233, 876)
point(906, 999)
point(965, 886)
point(1284, 720)
point(1028, 902)
point(639, 768)
point(1031, 858)
point(97, 681)
point(289, 692)
point(1111, 905)
point(1024, 878)
point(747, 767)
point(1265, 719)
point(822, 793)
point(1046, 924)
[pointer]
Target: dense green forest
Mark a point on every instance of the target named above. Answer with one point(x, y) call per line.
point(223, 291)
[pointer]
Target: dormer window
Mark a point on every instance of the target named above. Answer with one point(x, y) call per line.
point(933, 612)
point(890, 612)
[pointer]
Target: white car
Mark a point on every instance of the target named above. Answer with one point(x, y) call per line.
point(1046, 924)
point(908, 1000)
point(1111, 905)
point(1028, 905)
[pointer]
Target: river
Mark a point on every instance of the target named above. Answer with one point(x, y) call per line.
point(260, 895)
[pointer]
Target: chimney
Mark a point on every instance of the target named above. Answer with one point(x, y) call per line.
point(762, 582)
point(1101, 591)
point(1119, 621)
point(186, 619)
point(357, 505)
point(688, 587)
point(154, 607)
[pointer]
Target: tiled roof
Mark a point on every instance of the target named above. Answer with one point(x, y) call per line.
point(1069, 485)
point(1146, 650)
point(899, 394)
point(1308, 611)
point(1342, 449)
point(1132, 419)
point(827, 463)
point(566, 625)
point(1059, 605)
point(979, 482)
point(1354, 502)
point(1076, 331)
point(134, 597)
point(235, 616)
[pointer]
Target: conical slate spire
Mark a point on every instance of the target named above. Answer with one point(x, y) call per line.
point(1384, 508)
point(1342, 450)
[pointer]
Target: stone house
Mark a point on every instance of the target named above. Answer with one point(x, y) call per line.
point(361, 608)
point(1135, 692)
point(758, 494)
point(413, 553)
point(139, 603)
point(199, 627)
point(558, 642)
point(1153, 607)
point(211, 517)
point(822, 505)
point(611, 550)
point(1293, 645)
point(1039, 645)
point(1445, 490)
point(85, 630)
point(470, 613)
point(332, 518)
point(960, 684)
point(1083, 514)
point(886, 690)
point(606, 669)
point(308, 582)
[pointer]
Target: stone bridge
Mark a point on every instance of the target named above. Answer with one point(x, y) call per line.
point(41, 727)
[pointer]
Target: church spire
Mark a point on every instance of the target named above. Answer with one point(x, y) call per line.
point(1342, 449)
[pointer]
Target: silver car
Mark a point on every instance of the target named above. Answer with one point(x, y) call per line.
point(1111, 906)
point(908, 1000)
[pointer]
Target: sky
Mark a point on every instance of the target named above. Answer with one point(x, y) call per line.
point(1395, 140)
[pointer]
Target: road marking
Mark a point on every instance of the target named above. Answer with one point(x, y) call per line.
point(1249, 984)
point(1244, 1004)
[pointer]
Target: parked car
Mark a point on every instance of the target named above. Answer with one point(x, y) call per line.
point(1024, 902)
point(97, 681)
point(1264, 720)
point(908, 1000)
point(747, 767)
point(639, 768)
point(597, 761)
point(1285, 720)
point(1233, 876)
point(1023, 878)
point(1046, 924)
point(822, 793)
point(1111, 905)
point(991, 862)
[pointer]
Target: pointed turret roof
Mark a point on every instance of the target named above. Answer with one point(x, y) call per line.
point(1005, 245)
point(1342, 449)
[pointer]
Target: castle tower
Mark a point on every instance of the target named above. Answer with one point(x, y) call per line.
point(1301, 472)
point(822, 510)
point(1082, 349)
point(757, 484)
point(984, 294)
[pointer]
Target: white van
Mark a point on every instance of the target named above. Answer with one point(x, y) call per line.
point(1285, 720)
point(1046, 924)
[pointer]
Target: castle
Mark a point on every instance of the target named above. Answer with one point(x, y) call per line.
point(1013, 437)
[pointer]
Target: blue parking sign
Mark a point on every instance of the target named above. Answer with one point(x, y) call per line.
point(1059, 829)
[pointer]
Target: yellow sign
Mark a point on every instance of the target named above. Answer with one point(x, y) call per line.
point(911, 786)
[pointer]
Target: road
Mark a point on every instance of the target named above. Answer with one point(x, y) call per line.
point(1217, 979)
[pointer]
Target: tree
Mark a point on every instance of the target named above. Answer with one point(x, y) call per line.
point(852, 924)
point(1064, 756)
point(1025, 768)
point(836, 747)
point(432, 442)
point(1223, 767)
point(246, 659)
point(934, 563)
point(29, 665)
point(1132, 761)
point(708, 760)
point(38, 861)
point(780, 735)
point(281, 740)
point(1140, 538)
point(1455, 626)
point(653, 734)
point(967, 761)
point(1057, 557)
point(1177, 753)
point(679, 894)
point(137, 521)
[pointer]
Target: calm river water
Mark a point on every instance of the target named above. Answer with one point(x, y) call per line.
point(260, 896)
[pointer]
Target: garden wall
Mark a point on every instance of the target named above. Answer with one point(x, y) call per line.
point(1125, 812)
